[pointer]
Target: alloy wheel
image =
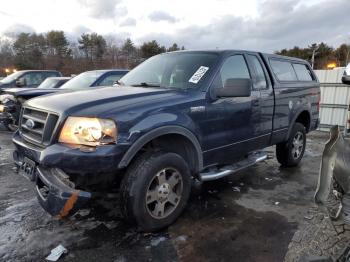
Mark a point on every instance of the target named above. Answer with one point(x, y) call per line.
point(298, 145)
point(164, 193)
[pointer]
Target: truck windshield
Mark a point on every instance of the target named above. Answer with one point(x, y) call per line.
point(11, 78)
point(82, 80)
point(183, 70)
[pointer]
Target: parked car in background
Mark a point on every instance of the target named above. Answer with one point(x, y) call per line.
point(177, 116)
point(95, 78)
point(27, 78)
point(346, 77)
point(53, 82)
point(11, 99)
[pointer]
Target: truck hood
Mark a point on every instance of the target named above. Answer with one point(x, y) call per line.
point(31, 92)
point(100, 101)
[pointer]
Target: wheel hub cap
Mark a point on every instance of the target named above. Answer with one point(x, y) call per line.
point(164, 193)
point(297, 145)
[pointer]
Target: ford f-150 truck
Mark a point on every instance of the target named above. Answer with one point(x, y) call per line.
point(176, 117)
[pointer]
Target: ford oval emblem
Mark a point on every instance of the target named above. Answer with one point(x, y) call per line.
point(30, 124)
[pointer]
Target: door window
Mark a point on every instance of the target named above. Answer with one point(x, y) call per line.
point(234, 67)
point(283, 70)
point(34, 78)
point(303, 72)
point(50, 74)
point(110, 80)
point(259, 79)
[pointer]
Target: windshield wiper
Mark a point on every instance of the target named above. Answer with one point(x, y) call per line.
point(144, 84)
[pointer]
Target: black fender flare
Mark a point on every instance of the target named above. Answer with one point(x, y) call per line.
point(157, 132)
point(296, 115)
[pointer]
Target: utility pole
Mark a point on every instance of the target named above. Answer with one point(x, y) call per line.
point(314, 49)
point(347, 54)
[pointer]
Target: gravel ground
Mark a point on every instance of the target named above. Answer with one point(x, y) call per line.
point(255, 215)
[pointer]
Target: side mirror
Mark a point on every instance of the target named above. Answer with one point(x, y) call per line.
point(235, 87)
point(20, 82)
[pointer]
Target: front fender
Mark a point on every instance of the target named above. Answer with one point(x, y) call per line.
point(164, 130)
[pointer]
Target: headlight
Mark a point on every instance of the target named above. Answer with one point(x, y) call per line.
point(2, 107)
point(88, 131)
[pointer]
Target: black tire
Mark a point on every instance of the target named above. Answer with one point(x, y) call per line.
point(137, 181)
point(284, 151)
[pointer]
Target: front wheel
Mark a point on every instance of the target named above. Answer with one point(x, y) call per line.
point(291, 152)
point(155, 190)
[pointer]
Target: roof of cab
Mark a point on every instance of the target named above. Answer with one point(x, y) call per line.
point(284, 57)
point(223, 51)
point(108, 70)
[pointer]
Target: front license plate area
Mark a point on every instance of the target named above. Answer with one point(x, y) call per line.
point(28, 168)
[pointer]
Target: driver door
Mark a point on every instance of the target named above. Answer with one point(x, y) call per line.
point(234, 121)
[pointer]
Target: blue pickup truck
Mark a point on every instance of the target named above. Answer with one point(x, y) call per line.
point(176, 117)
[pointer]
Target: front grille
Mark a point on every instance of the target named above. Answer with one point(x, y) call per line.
point(37, 126)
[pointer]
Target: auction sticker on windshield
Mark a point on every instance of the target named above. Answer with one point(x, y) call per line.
point(198, 74)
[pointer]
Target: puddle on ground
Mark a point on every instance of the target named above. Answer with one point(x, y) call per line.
point(228, 231)
point(28, 233)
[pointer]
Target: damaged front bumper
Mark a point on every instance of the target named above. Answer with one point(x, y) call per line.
point(56, 193)
point(55, 169)
point(334, 176)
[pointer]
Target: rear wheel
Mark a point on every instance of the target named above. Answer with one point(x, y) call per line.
point(155, 190)
point(291, 152)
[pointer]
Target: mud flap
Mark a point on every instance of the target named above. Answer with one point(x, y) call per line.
point(335, 166)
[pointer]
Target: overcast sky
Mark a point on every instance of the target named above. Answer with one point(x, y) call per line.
point(247, 24)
